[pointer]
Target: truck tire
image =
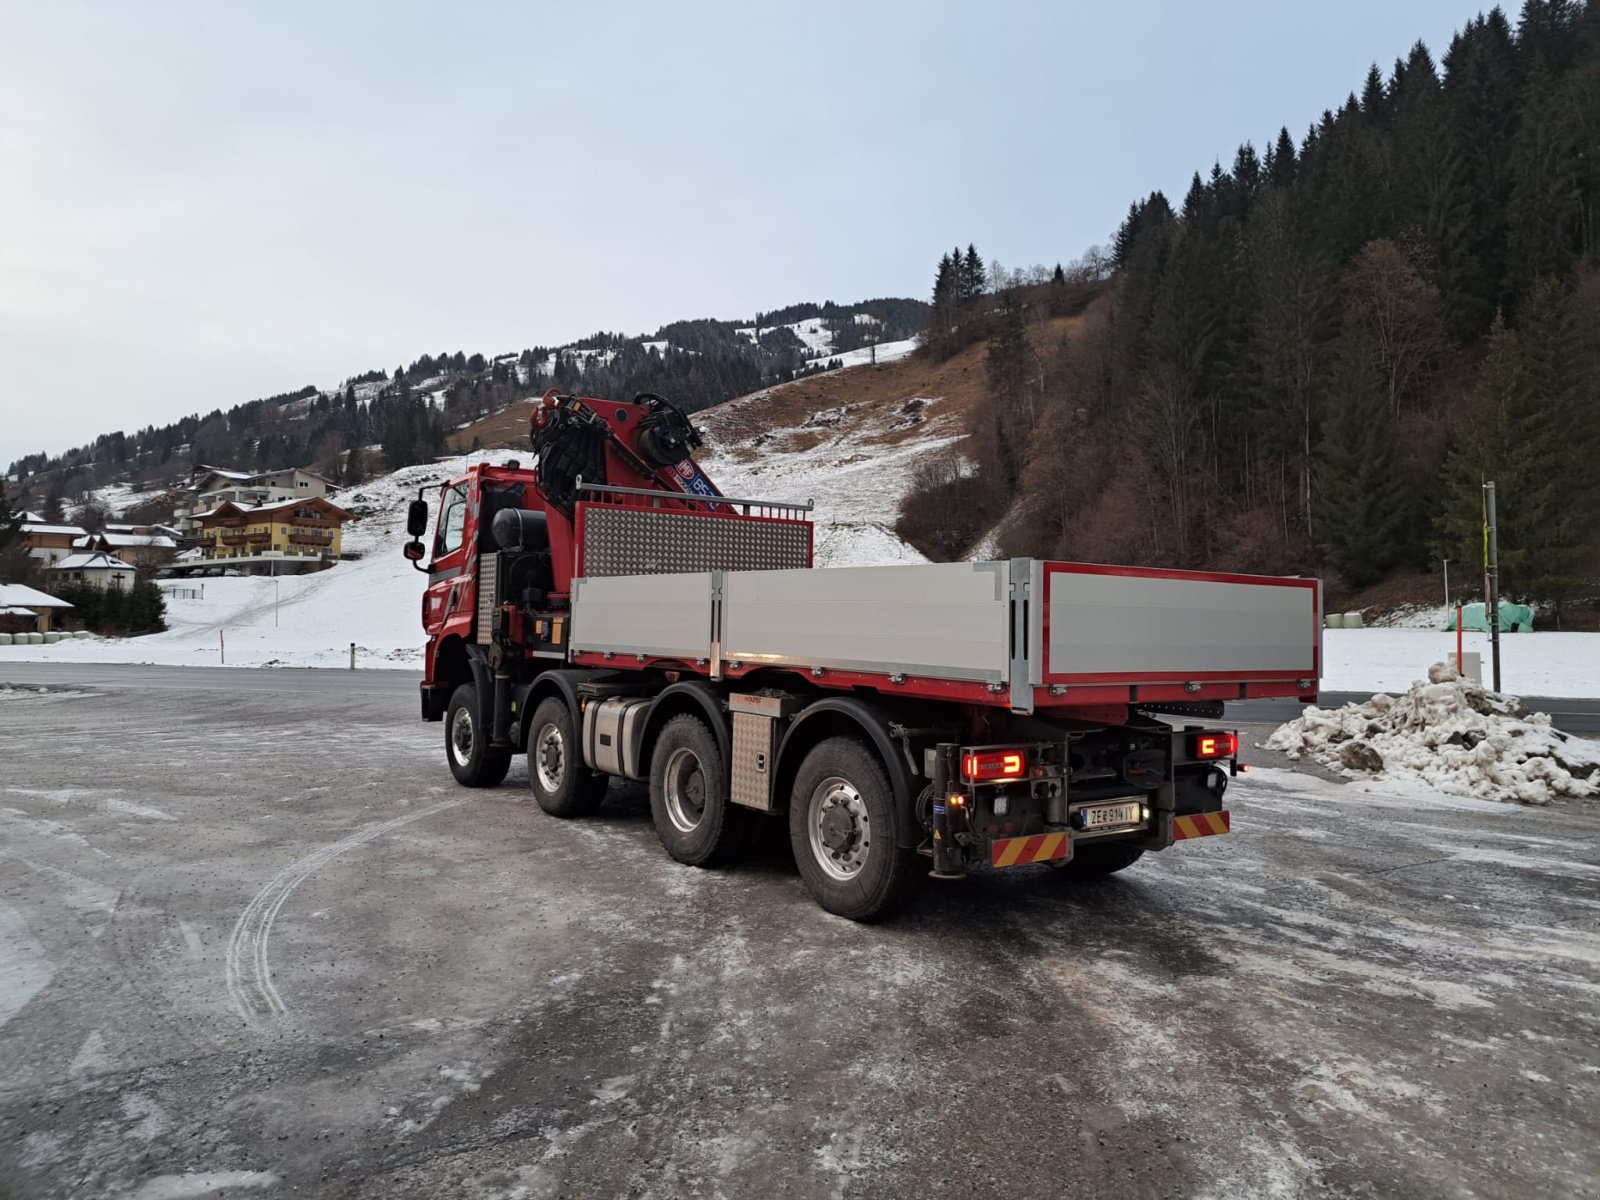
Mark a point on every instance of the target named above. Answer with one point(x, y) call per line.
point(842, 830)
point(694, 816)
point(472, 760)
point(1097, 860)
point(560, 783)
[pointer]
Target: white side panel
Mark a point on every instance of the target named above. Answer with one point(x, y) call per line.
point(939, 620)
point(666, 615)
point(1179, 629)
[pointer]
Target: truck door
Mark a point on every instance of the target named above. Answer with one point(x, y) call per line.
point(450, 579)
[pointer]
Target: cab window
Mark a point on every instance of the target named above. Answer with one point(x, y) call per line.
point(452, 521)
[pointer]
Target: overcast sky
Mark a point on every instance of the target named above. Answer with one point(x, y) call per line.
point(205, 203)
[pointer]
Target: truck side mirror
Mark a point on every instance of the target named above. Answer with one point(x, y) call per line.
point(414, 551)
point(417, 520)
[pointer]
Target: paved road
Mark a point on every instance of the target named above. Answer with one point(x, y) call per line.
point(273, 950)
point(1575, 716)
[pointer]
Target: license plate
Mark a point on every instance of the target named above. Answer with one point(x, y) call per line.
point(1105, 816)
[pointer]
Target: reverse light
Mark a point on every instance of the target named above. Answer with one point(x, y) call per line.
point(980, 765)
point(1214, 745)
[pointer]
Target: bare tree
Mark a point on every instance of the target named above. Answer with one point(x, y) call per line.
point(1396, 315)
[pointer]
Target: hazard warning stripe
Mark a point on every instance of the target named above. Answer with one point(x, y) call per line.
point(1199, 825)
point(1041, 847)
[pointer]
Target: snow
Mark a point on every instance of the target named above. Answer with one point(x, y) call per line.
point(888, 352)
point(856, 477)
point(118, 498)
point(1390, 660)
point(813, 331)
point(1451, 735)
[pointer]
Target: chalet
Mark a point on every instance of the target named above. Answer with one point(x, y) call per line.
point(286, 538)
point(211, 486)
point(96, 568)
point(48, 543)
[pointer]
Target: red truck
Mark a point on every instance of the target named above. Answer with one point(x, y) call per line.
point(608, 612)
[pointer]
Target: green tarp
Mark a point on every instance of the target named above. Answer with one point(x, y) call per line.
point(1514, 618)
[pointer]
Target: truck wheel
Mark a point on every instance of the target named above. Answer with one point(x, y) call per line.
point(473, 761)
point(695, 818)
point(561, 784)
point(1097, 860)
point(842, 829)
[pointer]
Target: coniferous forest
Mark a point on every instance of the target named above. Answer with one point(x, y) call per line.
point(1312, 360)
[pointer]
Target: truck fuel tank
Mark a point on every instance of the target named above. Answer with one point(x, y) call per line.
point(611, 734)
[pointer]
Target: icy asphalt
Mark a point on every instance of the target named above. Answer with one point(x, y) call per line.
point(255, 942)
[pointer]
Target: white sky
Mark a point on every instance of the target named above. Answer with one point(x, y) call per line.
point(204, 203)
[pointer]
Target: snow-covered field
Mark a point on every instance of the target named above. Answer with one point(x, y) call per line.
point(1390, 660)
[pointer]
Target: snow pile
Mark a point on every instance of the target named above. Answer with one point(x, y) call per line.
point(1452, 735)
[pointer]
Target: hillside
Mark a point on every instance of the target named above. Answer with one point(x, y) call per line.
point(380, 420)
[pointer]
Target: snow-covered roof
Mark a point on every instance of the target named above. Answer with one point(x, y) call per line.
point(45, 527)
point(33, 518)
point(14, 595)
point(275, 506)
point(99, 560)
point(134, 540)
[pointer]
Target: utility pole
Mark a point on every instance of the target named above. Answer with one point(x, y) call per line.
point(1491, 569)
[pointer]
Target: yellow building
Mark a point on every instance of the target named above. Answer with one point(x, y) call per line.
point(289, 536)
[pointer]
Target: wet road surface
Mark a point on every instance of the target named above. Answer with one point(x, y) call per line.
point(261, 943)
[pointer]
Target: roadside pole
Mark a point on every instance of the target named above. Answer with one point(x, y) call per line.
point(1491, 566)
point(1447, 585)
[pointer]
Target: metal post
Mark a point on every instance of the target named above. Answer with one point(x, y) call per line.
point(1491, 565)
point(1447, 585)
point(222, 650)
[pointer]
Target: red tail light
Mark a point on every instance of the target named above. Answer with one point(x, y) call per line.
point(1214, 745)
point(978, 765)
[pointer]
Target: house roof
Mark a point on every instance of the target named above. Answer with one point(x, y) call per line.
point(42, 527)
point(18, 595)
point(128, 541)
point(323, 502)
point(97, 560)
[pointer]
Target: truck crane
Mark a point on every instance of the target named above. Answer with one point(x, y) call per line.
point(608, 612)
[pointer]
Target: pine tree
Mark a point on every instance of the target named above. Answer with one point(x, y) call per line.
point(1365, 515)
point(973, 281)
point(10, 520)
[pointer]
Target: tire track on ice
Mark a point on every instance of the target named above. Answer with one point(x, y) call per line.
point(249, 972)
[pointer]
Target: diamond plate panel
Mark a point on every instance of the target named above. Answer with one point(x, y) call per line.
point(753, 752)
point(635, 541)
point(488, 585)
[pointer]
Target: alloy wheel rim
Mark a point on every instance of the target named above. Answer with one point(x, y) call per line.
point(550, 759)
point(684, 790)
point(838, 828)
